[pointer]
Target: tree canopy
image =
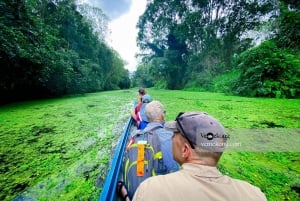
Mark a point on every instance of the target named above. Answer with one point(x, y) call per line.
point(51, 48)
point(189, 43)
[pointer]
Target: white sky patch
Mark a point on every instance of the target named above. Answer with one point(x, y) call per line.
point(123, 33)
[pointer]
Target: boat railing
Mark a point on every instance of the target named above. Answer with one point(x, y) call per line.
point(109, 189)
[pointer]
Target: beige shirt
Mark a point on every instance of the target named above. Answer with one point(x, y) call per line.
point(196, 183)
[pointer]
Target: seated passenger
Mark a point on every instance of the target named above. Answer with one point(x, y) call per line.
point(155, 113)
point(141, 118)
point(156, 116)
point(138, 105)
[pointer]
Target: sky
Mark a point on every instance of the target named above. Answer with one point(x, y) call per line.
point(123, 16)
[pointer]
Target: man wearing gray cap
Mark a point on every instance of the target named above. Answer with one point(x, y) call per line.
point(198, 143)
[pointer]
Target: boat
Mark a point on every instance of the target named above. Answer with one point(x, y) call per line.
point(109, 189)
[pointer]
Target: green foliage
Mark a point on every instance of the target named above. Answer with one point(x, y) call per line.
point(143, 76)
point(194, 35)
point(202, 81)
point(268, 71)
point(223, 82)
point(160, 85)
point(195, 45)
point(288, 35)
point(50, 49)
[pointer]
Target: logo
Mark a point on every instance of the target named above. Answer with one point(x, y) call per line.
point(211, 136)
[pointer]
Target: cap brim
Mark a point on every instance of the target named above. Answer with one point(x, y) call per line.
point(171, 125)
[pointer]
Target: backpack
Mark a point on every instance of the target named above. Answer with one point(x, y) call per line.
point(143, 159)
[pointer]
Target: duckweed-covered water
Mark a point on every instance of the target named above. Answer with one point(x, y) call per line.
point(60, 149)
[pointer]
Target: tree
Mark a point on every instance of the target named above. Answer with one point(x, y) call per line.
point(273, 68)
point(97, 18)
point(48, 48)
point(143, 76)
point(288, 35)
point(159, 35)
point(269, 72)
point(211, 30)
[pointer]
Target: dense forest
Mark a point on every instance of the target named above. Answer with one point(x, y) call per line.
point(53, 48)
point(244, 47)
point(248, 48)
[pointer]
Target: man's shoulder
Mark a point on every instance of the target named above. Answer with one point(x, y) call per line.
point(164, 133)
point(158, 129)
point(153, 126)
point(248, 187)
point(162, 129)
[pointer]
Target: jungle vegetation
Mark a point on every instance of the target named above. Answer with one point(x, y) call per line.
point(252, 47)
point(53, 48)
point(56, 47)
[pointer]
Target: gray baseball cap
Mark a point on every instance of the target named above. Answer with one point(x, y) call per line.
point(146, 98)
point(200, 129)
